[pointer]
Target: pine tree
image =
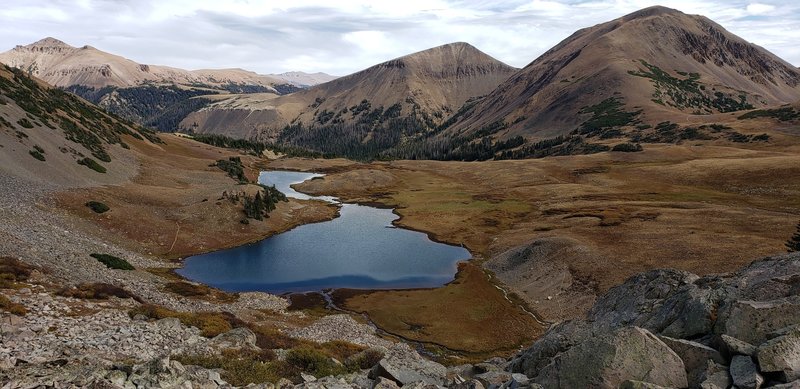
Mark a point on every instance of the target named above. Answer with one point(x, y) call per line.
point(793, 244)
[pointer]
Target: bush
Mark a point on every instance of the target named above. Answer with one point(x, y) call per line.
point(793, 244)
point(36, 154)
point(92, 164)
point(12, 307)
point(96, 291)
point(364, 360)
point(314, 362)
point(24, 122)
point(627, 147)
point(239, 369)
point(210, 324)
point(187, 290)
point(113, 262)
point(12, 271)
point(97, 206)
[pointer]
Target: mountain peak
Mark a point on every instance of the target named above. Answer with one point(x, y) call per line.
point(49, 42)
point(656, 10)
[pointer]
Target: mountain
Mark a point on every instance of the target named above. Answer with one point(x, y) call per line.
point(303, 79)
point(63, 65)
point(373, 109)
point(152, 95)
point(52, 136)
point(652, 65)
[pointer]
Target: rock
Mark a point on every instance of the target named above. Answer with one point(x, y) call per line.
point(169, 323)
point(718, 380)
point(405, 367)
point(744, 373)
point(117, 377)
point(422, 385)
point(493, 379)
point(519, 381)
point(307, 377)
point(731, 346)
point(485, 367)
point(674, 303)
point(237, 338)
point(608, 359)
point(781, 355)
point(466, 371)
point(631, 384)
point(385, 383)
point(326, 383)
point(752, 321)
point(283, 383)
point(468, 384)
point(557, 340)
point(695, 357)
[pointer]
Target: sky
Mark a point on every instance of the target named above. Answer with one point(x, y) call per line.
point(340, 37)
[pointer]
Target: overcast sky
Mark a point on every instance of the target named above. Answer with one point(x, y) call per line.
point(340, 36)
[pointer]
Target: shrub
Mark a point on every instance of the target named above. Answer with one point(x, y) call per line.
point(13, 271)
point(210, 323)
point(239, 370)
point(793, 244)
point(187, 290)
point(12, 307)
point(24, 122)
point(341, 350)
point(627, 147)
point(364, 360)
point(314, 362)
point(36, 154)
point(96, 291)
point(112, 262)
point(97, 206)
point(92, 164)
point(272, 338)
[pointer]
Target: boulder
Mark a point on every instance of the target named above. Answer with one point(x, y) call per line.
point(752, 321)
point(631, 384)
point(385, 383)
point(405, 367)
point(669, 302)
point(493, 379)
point(731, 346)
point(556, 340)
point(718, 380)
point(745, 373)
point(468, 384)
point(237, 338)
point(609, 359)
point(781, 355)
point(695, 357)
point(790, 385)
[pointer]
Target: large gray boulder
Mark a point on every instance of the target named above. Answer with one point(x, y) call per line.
point(674, 303)
point(745, 373)
point(236, 339)
point(695, 357)
point(405, 366)
point(607, 360)
point(781, 355)
point(752, 321)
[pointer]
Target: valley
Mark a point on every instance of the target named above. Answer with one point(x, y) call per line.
point(592, 219)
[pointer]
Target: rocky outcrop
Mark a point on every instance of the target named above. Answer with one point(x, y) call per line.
point(710, 332)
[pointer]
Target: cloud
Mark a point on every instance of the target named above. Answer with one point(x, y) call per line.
point(348, 35)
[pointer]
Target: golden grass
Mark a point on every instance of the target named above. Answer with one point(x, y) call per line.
point(469, 314)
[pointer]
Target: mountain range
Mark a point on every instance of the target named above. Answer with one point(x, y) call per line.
point(152, 95)
point(605, 84)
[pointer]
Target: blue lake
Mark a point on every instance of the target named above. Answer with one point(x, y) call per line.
point(359, 249)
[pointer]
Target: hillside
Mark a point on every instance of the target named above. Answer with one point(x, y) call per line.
point(374, 109)
point(52, 136)
point(655, 64)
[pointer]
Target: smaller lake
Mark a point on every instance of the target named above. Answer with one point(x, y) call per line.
point(359, 249)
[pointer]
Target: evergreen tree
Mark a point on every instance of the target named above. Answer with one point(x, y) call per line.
point(793, 244)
